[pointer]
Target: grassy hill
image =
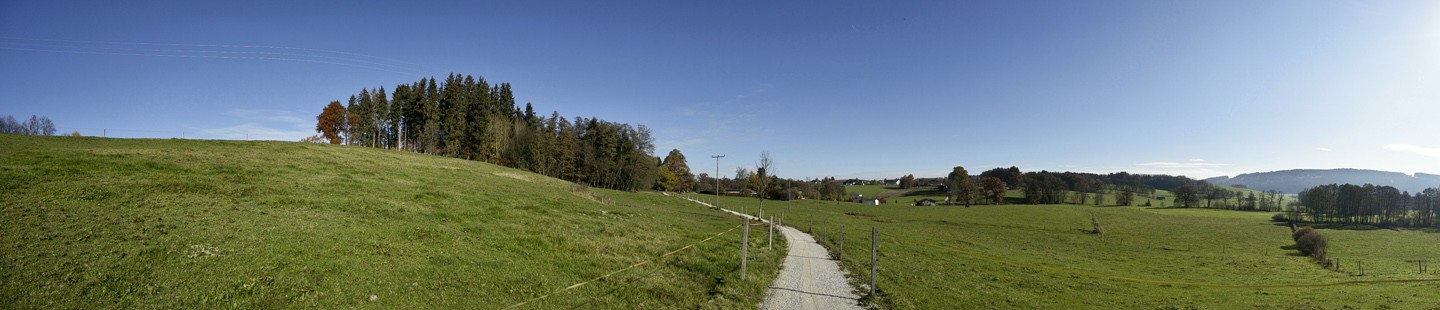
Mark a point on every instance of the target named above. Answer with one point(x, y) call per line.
point(91, 222)
point(1040, 257)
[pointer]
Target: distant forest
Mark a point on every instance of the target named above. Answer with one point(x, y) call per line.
point(1039, 187)
point(1045, 187)
point(466, 117)
point(1368, 204)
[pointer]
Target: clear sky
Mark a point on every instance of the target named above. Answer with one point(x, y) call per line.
point(866, 89)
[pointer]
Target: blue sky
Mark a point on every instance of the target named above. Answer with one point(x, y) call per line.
point(845, 89)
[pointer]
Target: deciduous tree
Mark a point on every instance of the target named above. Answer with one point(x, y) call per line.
point(1186, 195)
point(674, 164)
point(994, 189)
point(332, 122)
point(961, 189)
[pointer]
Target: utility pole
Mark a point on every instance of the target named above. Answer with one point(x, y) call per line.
point(717, 178)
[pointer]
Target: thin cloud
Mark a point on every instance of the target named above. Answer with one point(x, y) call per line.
point(1196, 168)
point(255, 132)
point(1418, 150)
point(712, 107)
point(208, 51)
point(694, 109)
point(260, 124)
point(276, 116)
point(1184, 165)
point(1324, 149)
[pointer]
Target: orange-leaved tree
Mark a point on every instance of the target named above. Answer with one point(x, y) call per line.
point(332, 122)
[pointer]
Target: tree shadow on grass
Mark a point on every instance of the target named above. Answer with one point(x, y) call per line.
point(1332, 226)
point(1359, 227)
point(1292, 250)
point(929, 192)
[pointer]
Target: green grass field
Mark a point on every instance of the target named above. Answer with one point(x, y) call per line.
point(202, 224)
point(183, 224)
point(1040, 257)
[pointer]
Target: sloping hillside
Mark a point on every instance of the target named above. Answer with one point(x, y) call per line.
point(203, 224)
point(1293, 181)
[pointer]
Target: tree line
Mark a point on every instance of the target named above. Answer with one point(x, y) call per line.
point(1046, 187)
point(1368, 204)
point(466, 117)
point(748, 183)
point(36, 125)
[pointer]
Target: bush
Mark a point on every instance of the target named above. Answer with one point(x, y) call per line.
point(1312, 244)
point(1301, 233)
point(1096, 223)
point(1279, 217)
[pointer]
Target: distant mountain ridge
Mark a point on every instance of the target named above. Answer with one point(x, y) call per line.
point(1293, 181)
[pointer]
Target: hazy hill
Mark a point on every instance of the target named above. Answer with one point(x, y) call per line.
point(1293, 181)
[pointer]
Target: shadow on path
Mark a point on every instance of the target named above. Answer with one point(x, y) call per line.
point(809, 293)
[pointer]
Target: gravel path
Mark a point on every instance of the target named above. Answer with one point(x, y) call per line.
point(808, 279)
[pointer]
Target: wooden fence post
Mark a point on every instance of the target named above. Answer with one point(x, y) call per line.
point(841, 257)
point(827, 227)
point(770, 245)
point(744, 248)
point(873, 233)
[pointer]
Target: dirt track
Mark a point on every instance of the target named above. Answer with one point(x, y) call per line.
point(808, 279)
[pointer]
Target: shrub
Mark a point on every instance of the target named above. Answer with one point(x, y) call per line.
point(1096, 223)
point(1279, 218)
point(1300, 233)
point(1312, 244)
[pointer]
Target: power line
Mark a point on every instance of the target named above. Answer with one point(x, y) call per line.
point(39, 45)
point(214, 45)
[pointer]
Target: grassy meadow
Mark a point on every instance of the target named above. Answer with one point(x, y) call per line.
point(1041, 257)
point(185, 224)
